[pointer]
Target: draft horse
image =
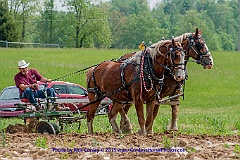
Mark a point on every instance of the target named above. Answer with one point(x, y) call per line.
point(136, 80)
point(195, 47)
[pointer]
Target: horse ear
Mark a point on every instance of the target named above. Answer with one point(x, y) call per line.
point(173, 42)
point(196, 33)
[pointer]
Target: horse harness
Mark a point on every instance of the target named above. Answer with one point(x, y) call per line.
point(148, 75)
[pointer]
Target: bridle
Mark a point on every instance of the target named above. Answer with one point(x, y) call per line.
point(196, 46)
point(172, 54)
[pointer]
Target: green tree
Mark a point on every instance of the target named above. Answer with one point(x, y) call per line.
point(8, 31)
point(47, 22)
point(226, 41)
point(64, 30)
point(213, 17)
point(143, 27)
point(128, 7)
point(90, 24)
point(116, 22)
point(48, 27)
point(223, 17)
point(162, 17)
point(23, 11)
point(234, 29)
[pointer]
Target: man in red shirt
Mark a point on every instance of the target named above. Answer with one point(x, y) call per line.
point(26, 81)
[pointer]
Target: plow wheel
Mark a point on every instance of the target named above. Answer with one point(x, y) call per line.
point(46, 127)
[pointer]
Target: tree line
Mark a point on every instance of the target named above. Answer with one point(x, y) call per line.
point(119, 23)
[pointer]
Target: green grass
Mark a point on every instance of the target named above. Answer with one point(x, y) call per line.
point(211, 102)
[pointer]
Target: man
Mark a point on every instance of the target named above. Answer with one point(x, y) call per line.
point(26, 81)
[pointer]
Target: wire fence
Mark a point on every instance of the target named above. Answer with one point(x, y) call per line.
point(6, 44)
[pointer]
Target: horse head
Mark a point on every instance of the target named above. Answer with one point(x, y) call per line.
point(196, 48)
point(174, 62)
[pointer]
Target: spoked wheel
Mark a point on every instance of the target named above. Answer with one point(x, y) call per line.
point(46, 127)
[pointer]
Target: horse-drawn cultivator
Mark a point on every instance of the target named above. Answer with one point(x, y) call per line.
point(52, 117)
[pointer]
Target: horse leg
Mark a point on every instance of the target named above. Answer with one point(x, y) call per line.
point(155, 111)
point(172, 126)
point(125, 125)
point(127, 107)
point(112, 117)
point(140, 114)
point(150, 106)
point(91, 112)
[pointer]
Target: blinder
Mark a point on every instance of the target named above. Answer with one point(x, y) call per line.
point(172, 54)
point(198, 45)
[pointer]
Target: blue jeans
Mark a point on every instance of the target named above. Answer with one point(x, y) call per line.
point(32, 95)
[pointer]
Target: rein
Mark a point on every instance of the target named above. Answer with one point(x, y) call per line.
point(81, 71)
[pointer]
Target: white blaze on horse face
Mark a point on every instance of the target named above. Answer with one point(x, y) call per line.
point(209, 59)
point(179, 70)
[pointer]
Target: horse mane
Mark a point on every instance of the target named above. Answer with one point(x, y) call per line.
point(153, 51)
point(154, 48)
point(182, 37)
point(134, 58)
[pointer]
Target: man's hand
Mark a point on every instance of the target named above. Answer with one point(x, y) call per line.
point(45, 80)
point(49, 80)
point(33, 86)
point(24, 86)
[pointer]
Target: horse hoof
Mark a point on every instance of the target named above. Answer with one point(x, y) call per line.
point(142, 132)
point(150, 132)
point(170, 131)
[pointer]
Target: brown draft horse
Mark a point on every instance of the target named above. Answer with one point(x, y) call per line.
point(137, 80)
point(196, 48)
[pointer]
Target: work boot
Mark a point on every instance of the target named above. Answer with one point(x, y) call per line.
point(50, 106)
point(37, 106)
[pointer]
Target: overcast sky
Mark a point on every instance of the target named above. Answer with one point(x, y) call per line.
point(151, 3)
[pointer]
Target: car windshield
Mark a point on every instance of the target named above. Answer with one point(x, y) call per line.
point(76, 90)
point(9, 93)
